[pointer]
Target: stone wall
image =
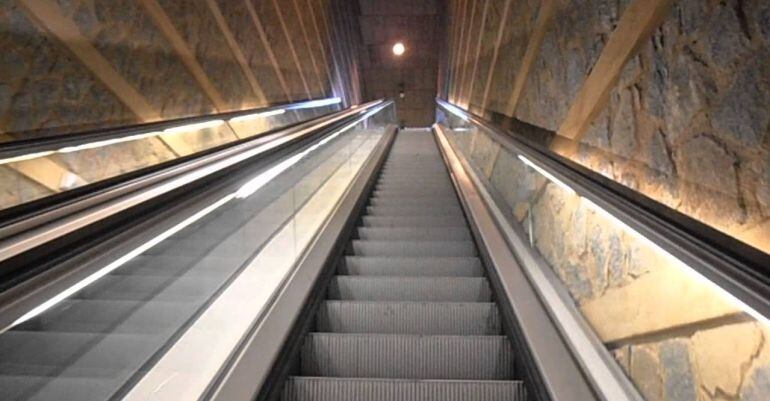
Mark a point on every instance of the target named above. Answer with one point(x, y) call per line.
point(69, 66)
point(686, 122)
point(47, 88)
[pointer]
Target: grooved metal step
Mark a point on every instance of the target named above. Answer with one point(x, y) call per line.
point(436, 266)
point(413, 248)
point(403, 233)
point(412, 210)
point(413, 221)
point(407, 356)
point(352, 389)
point(433, 289)
point(426, 318)
point(424, 201)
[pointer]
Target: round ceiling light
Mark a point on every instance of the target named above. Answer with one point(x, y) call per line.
point(399, 49)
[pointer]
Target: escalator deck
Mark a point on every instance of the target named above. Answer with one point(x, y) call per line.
point(409, 314)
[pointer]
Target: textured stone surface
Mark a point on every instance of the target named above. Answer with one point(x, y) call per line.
point(43, 89)
point(646, 371)
point(679, 384)
point(197, 26)
point(720, 355)
point(568, 53)
point(521, 20)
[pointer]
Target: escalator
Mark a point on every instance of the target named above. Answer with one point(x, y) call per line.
point(409, 314)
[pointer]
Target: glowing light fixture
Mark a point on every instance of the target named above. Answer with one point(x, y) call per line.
point(254, 116)
point(193, 127)
point(547, 175)
point(399, 49)
point(25, 157)
point(639, 236)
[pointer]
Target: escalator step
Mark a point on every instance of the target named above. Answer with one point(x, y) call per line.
point(407, 356)
point(387, 266)
point(413, 248)
point(413, 221)
point(427, 318)
point(402, 233)
point(351, 389)
point(428, 289)
point(411, 210)
point(424, 201)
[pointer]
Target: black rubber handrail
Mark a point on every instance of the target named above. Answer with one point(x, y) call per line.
point(738, 268)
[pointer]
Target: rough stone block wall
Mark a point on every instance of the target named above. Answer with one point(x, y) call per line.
point(69, 66)
point(686, 122)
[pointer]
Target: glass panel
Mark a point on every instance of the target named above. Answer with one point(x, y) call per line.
point(677, 335)
point(28, 177)
point(98, 337)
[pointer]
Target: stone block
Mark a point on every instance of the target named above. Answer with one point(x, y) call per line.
point(720, 356)
point(662, 299)
point(679, 383)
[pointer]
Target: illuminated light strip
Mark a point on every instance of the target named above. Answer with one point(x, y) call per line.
point(258, 182)
point(637, 235)
point(25, 157)
point(120, 262)
point(173, 130)
point(193, 127)
point(107, 142)
point(548, 175)
point(318, 103)
point(456, 111)
point(249, 188)
point(255, 116)
point(680, 264)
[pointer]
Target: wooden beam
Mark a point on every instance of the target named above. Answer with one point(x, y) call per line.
point(542, 24)
point(478, 50)
point(466, 62)
point(453, 38)
point(48, 15)
point(637, 23)
point(268, 48)
point(321, 44)
point(292, 50)
point(495, 54)
point(458, 62)
point(237, 52)
point(164, 24)
point(327, 30)
point(299, 13)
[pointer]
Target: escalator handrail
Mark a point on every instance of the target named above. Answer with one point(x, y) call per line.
point(48, 144)
point(27, 234)
point(736, 267)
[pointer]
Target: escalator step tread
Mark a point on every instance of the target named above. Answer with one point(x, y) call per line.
point(427, 318)
point(420, 248)
point(410, 210)
point(352, 389)
point(411, 266)
point(413, 221)
point(427, 289)
point(407, 356)
point(402, 233)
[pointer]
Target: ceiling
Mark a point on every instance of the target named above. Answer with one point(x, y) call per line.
point(416, 23)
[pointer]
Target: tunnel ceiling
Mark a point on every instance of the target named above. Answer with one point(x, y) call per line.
point(416, 24)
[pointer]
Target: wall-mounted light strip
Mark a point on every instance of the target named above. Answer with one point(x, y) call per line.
point(194, 127)
point(173, 130)
point(637, 235)
point(25, 157)
point(250, 117)
point(547, 175)
point(317, 103)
